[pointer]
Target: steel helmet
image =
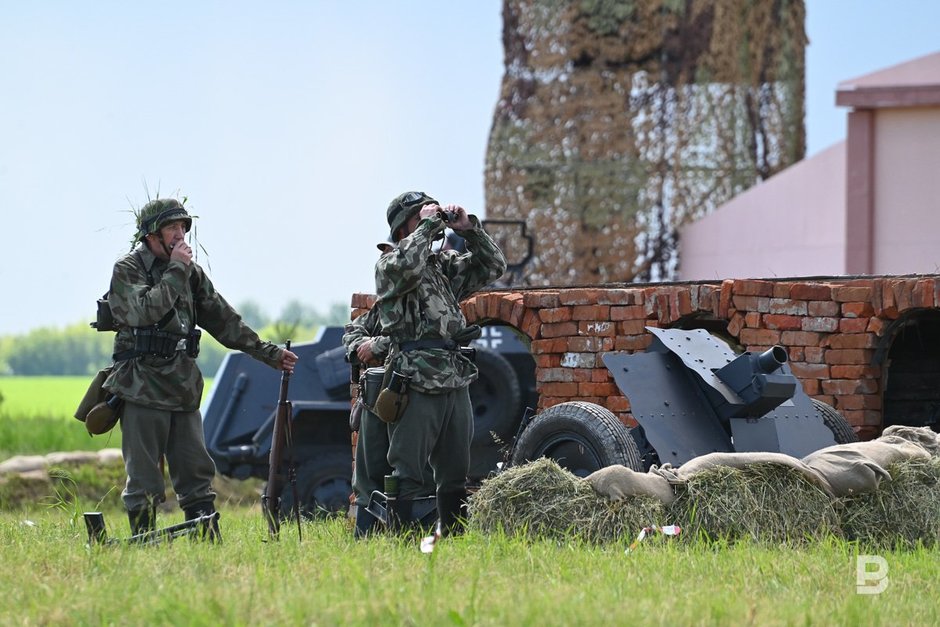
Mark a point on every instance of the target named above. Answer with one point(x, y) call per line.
point(403, 207)
point(158, 213)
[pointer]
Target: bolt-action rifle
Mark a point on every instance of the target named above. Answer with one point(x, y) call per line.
point(282, 436)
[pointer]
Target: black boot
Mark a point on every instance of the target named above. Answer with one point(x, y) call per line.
point(451, 511)
point(365, 523)
point(206, 530)
point(142, 520)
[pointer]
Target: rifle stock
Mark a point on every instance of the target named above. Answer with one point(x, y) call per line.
point(281, 436)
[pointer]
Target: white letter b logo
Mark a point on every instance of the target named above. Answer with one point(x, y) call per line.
point(871, 580)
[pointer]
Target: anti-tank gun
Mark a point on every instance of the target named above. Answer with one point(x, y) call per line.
point(690, 395)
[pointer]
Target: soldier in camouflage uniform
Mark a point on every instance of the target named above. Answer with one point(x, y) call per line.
point(158, 295)
point(418, 294)
point(365, 347)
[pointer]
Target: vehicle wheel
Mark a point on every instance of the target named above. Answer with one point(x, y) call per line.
point(836, 423)
point(496, 399)
point(324, 483)
point(582, 437)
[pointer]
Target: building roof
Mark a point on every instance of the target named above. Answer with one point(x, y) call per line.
point(914, 83)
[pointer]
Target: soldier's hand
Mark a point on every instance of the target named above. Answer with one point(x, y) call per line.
point(182, 252)
point(461, 221)
point(288, 360)
point(365, 353)
point(429, 211)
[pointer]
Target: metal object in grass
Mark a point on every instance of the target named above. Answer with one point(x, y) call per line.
point(200, 527)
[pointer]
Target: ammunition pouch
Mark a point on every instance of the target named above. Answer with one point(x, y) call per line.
point(153, 341)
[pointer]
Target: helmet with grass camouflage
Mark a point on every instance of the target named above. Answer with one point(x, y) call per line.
point(403, 207)
point(158, 213)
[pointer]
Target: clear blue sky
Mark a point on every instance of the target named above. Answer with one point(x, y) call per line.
point(288, 124)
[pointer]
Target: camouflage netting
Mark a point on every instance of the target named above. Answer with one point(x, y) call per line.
point(764, 502)
point(619, 121)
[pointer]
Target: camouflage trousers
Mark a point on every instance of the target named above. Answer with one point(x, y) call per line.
point(435, 428)
point(147, 436)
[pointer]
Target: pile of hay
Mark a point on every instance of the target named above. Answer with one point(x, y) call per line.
point(543, 500)
point(903, 512)
point(764, 502)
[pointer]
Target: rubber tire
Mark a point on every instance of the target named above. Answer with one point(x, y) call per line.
point(324, 483)
point(496, 399)
point(591, 431)
point(835, 422)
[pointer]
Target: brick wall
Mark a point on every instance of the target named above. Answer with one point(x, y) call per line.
point(831, 328)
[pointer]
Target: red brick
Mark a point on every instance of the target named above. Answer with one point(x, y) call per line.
point(856, 357)
point(747, 287)
point(853, 340)
point(795, 353)
point(876, 326)
point(557, 388)
point(923, 295)
point(857, 310)
point(589, 344)
point(616, 297)
point(759, 337)
point(853, 325)
point(799, 338)
point(540, 299)
point(724, 299)
point(557, 314)
point(558, 329)
point(632, 312)
point(603, 390)
point(590, 312)
point(860, 401)
point(855, 372)
point(548, 360)
point(633, 327)
point(814, 354)
point(751, 303)
point(838, 387)
point(777, 321)
point(822, 308)
point(553, 345)
point(788, 306)
point(811, 291)
point(531, 325)
point(849, 294)
point(579, 296)
point(632, 343)
point(810, 386)
point(597, 328)
point(736, 324)
point(782, 290)
point(617, 404)
point(809, 371)
point(752, 319)
point(824, 325)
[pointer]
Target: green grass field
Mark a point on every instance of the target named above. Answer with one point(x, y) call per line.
point(50, 577)
point(36, 417)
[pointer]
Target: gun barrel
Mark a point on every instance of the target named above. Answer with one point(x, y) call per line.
point(771, 359)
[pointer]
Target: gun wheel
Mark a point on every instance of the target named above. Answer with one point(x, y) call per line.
point(324, 483)
point(835, 422)
point(582, 437)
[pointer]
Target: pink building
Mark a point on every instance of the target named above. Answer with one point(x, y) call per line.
point(867, 205)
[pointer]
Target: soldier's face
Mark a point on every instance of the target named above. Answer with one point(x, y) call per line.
point(169, 236)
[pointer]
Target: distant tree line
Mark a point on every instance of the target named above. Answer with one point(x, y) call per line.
point(78, 349)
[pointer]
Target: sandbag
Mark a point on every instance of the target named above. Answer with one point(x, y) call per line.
point(848, 470)
point(925, 437)
point(743, 460)
point(619, 482)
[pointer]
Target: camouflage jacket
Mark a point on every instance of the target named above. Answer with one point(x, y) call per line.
point(173, 383)
point(365, 327)
point(419, 292)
